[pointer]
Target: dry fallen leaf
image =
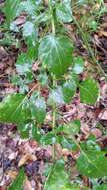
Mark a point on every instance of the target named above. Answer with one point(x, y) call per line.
point(85, 129)
point(96, 132)
point(25, 158)
point(102, 33)
point(103, 116)
point(27, 185)
point(12, 174)
point(20, 20)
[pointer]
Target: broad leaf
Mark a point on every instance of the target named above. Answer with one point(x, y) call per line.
point(43, 17)
point(92, 164)
point(67, 143)
point(56, 53)
point(69, 89)
point(38, 109)
point(59, 179)
point(30, 7)
point(49, 138)
point(18, 182)
point(64, 11)
point(89, 91)
point(56, 96)
point(14, 109)
point(35, 133)
point(43, 79)
point(28, 29)
point(32, 52)
point(23, 64)
point(29, 130)
point(78, 65)
point(24, 130)
point(29, 32)
point(101, 187)
point(26, 6)
point(72, 128)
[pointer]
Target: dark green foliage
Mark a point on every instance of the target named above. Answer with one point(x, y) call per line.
point(38, 110)
point(15, 109)
point(69, 89)
point(51, 63)
point(59, 181)
point(92, 164)
point(56, 53)
point(10, 10)
point(89, 91)
point(18, 182)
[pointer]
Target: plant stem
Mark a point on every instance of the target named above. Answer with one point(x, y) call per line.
point(49, 175)
point(52, 16)
point(53, 106)
point(53, 120)
point(54, 80)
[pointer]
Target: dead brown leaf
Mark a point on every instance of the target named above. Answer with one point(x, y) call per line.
point(20, 20)
point(96, 132)
point(26, 158)
point(102, 33)
point(27, 185)
point(12, 174)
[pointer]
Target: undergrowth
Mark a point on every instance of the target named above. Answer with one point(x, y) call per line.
point(57, 68)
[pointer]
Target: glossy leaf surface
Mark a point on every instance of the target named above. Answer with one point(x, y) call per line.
point(69, 89)
point(38, 110)
point(56, 53)
point(14, 109)
point(64, 11)
point(78, 65)
point(89, 91)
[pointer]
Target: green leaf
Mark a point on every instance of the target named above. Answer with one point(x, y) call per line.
point(29, 32)
point(47, 139)
point(78, 65)
point(32, 52)
point(14, 27)
point(10, 10)
point(89, 91)
point(38, 109)
point(59, 178)
point(31, 7)
point(23, 64)
point(101, 187)
point(43, 79)
point(67, 143)
point(26, 6)
point(18, 182)
point(64, 11)
point(43, 17)
point(72, 128)
point(29, 130)
point(56, 53)
point(35, 133)
point(92, 164)
point(24, 130)
point(69, 89)
point(56, 96)
point(21, 83)
point(14, 109)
